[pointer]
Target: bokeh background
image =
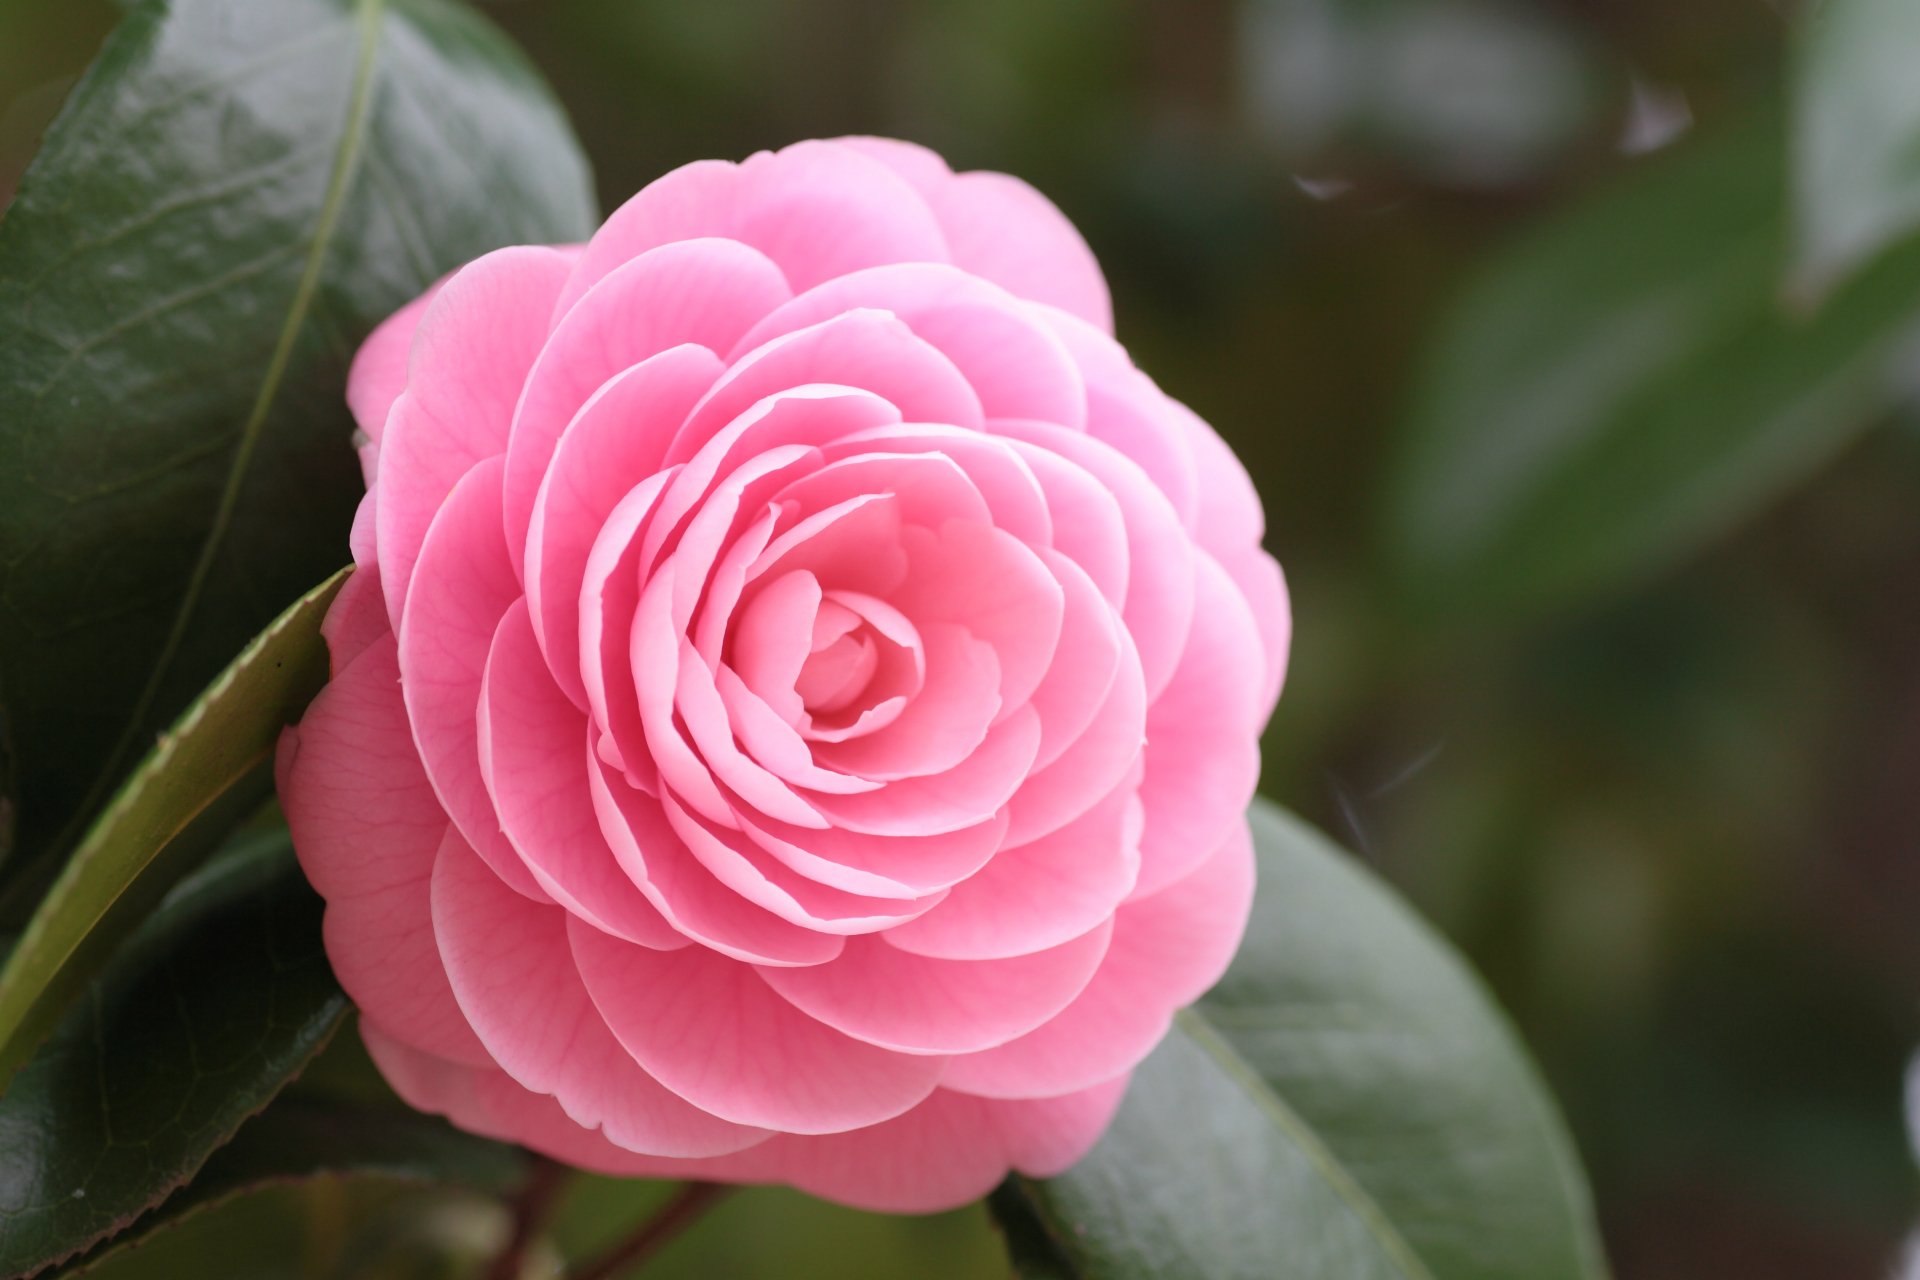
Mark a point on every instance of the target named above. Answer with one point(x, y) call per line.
point(1674, 815)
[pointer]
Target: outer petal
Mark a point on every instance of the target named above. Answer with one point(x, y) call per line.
point(817, 209)
point(709, 1029)
point(884, 996)
point(470, 358)
point(366, 828)
point(464, 587)
point(1167, 950)
point(1000, 228)
point(1039, 894)
point(1203, 750)
point(513, 972)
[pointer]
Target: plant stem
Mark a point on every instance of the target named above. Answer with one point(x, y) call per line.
point(545, 1182)
point(679, 1213)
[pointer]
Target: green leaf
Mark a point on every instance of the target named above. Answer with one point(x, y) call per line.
point(220, 998)
point(1628, 383)
point(1856, 160)
point(296, 1140)
point(1346, 1103)
point(163, 821)
point(232, 197)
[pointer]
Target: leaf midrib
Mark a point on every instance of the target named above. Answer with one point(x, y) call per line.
point(1295, 1128)
point(346, 160)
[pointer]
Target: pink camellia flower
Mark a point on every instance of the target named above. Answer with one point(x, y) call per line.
point(793, 717)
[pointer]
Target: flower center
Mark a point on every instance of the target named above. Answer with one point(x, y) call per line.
point(841, 664)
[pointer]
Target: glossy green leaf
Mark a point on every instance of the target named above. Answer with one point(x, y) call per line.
point(296, 1140)
point(1628, 383)
point(1346, 1103)
point(1856, 163)
point(220, 998)
point(230, 200)
point(167, 816)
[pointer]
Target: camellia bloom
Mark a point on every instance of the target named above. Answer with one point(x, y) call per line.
point(794, 713)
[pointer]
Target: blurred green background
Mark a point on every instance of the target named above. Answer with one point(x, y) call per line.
point(1665, 794)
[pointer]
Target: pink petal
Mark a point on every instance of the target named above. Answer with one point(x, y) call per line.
point(1038, 894)
point(708, 1028)
point(687, 894)
point(1012, 358)
point(941, 725)
point(1159, 601)
point(462, 589)
point(366, 828)
point(994, 467)
point(470, 356)
point(871, 351)
point(948, 1151)
point(356, 618)
point(1086, 662)
point(1002, 229)
point(379, 371)
point(534, 755)
point(512, 969)
point(767, 882)
point(701, 710)
point(609, 599)
point(884, 996)
point(701, 292)
point(816, 208)
point(886, 866)
point(971, 792)
point(610, 448)
point(1089, 770)
point(983, 579)
point(1203, 749)
point(1167, 950)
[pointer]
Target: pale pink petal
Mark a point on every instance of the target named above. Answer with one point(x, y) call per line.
point(948, 1151)
point(512, 970)
point(609, 598)
point(1167, 950)
point(1012, 493)
point(871, 351)
point(1203, 749)
point(884, 996)
point(366, 828)
point(356, 618)
point(930, 489)
point(686, 893)
point(971, 792)
point(608, 450)
point(1097, 762)
point(1159, 601)
point(1038, 894)
point(766, 881)
point(1085, 665)
point(1012, 358)
point(710, 1029)
point(853, 546)
point(379, 371)
point(817, 209)
point(1002, 229)
point(886, 866)
point(984, 579)
point(471, 353)
point(463, 588)
point(941, 725)
point(701, 292)
point(697, 701)
point(534, 755)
